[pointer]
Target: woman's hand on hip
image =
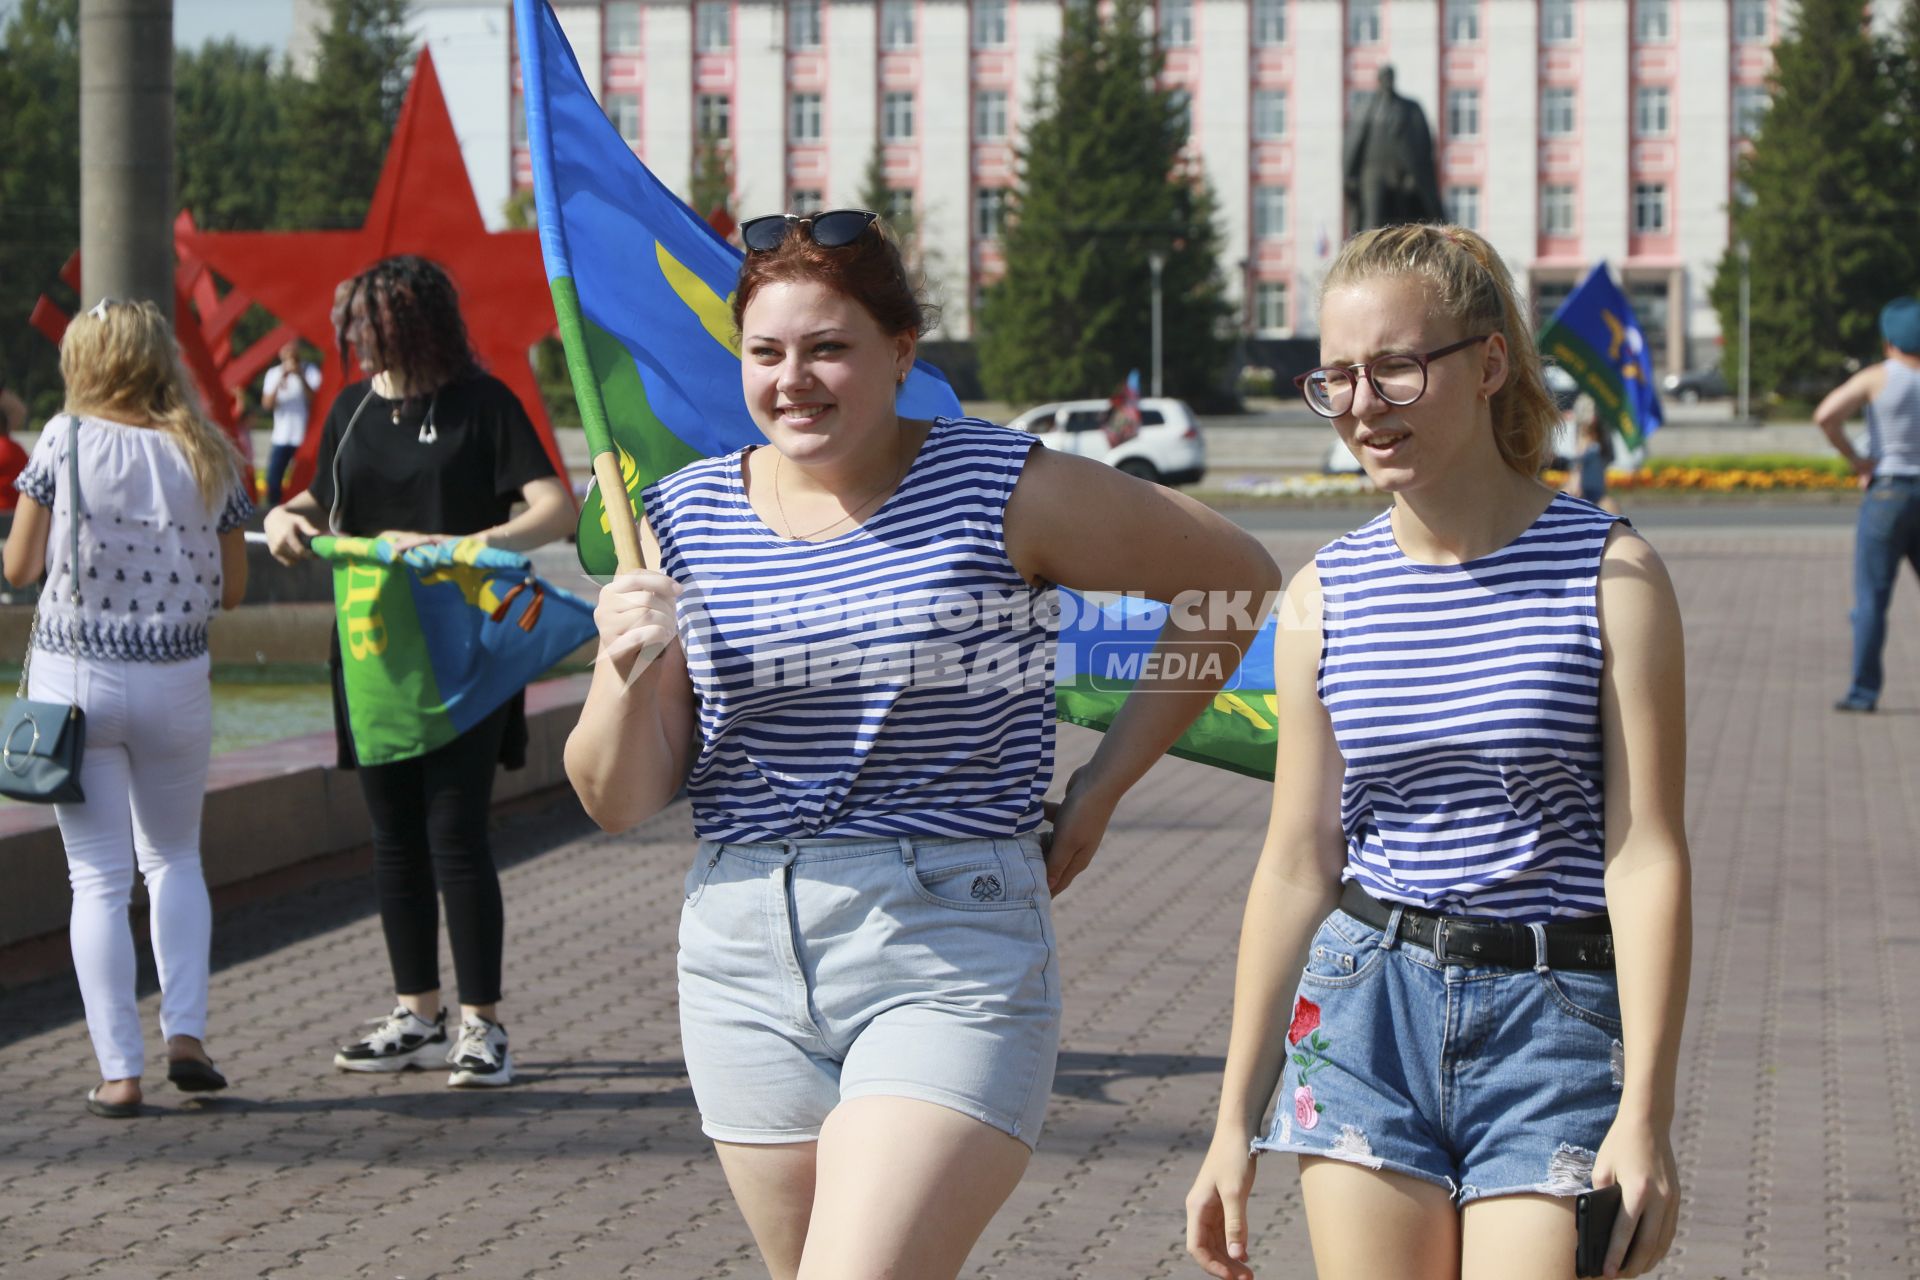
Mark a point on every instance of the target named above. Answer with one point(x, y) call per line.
point(1639, 1156)
point(1217, 1209)
point(1079, 821)
point(635, 617)
point(288, 533)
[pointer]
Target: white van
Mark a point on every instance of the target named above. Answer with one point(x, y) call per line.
point(1168, 448)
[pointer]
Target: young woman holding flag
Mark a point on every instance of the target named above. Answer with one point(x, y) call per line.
point(843, 648)
point(1477, 823)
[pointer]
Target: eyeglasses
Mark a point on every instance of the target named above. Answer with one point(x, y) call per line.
point(834, 229)
point(1399, 379)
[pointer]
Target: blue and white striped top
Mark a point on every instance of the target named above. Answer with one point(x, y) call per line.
point(894, 680)
point(1466, 702)
point(1893, 423)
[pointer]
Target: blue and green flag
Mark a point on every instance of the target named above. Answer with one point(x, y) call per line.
point(432, 640)
point(642, 290)
point(1595, 337)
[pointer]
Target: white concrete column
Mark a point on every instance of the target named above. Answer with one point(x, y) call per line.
point(850, 40)
point(470, 51)
point(1703, 132)
point(1413, 26)
point(1510, 122)
point(667, 108)
point(1316, 111)
point(1604, 123)
point(1036, 30)
point(943, 135)
point(581, 24)
point(759, 109)
point(1225, 29)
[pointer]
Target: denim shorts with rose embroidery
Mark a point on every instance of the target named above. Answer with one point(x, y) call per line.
point(1488, 1081)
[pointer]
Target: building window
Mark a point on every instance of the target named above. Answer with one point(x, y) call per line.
point(1649, 208)
point(989, 24)
point(1363, 21)
point(1556, 21)
point(803, 24)
point(1269, 114)
point(1750, 21)
point(1652, 21)
point(990, 115)
point(1180, 108)
point(1749, 109)
point(713, 25)
point(1463, 207)
point(624, 110)
point(1463, 21)
point(1269, 21)
point(989, 212)
point(1650, 111)
point(896, 24)
point(711, 112)
point(899, 204)
point(623, 27)
point(1176, 24)
point(803, 119)
point(1556, 210)
point(1556, 111)
point(896, 116)
point(1463, 113)
point(1269, 213)
point(1270, 307)
point(805, 202)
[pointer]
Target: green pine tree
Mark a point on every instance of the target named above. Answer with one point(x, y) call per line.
point(1102, 183)
point(896, 209)
point(230, 140)
point(39, 186)
point(1831, 220)
point(339, 125)
point(711, 185)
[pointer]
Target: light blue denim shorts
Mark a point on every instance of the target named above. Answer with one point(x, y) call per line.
point(811, 973)
point(1488, 1081)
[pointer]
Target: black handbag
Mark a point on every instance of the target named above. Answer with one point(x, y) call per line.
point(41, 742)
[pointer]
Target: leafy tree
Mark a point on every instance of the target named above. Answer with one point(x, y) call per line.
point(230, 142)
point(1102, 183)
point(711, 186)
point(1833, 222)
point(549, 357)
point(39, 185)
point(876, 195)
point(339, 125)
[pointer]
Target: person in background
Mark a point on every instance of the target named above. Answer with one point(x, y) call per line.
point(287, 392)
point(123, 635)
point(1889, 529)
point(1587, 477)
point(428, 447)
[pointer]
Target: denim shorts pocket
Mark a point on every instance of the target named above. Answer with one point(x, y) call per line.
point(1343, 951)
point(1593, 997)
point(700, 872)
point(969, 877)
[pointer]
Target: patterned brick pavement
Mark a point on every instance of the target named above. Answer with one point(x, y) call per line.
point(1796, 1129)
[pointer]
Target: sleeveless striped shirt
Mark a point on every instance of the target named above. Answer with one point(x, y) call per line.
point(1466, 703)
point(1893, 423)
point(894, 680)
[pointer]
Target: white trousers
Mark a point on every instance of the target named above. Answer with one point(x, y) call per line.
point(149, 736)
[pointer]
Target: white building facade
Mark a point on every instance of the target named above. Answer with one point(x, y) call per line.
point(1567, 131)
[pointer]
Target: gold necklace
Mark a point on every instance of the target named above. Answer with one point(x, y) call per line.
point(781, 507)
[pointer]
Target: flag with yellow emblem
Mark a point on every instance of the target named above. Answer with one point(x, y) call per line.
point(641, 287)
point(1595, 337)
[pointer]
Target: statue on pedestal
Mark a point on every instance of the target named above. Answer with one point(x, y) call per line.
point(1390, 172)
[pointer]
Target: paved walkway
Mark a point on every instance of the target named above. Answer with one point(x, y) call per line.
point(1796, 1129)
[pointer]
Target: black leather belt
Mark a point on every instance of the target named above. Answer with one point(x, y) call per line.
point(1478, 940)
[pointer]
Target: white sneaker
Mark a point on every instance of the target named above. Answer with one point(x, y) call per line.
point(400, 1040)
point(480, 1058)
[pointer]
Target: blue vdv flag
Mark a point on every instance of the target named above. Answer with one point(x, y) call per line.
point(1596, 337)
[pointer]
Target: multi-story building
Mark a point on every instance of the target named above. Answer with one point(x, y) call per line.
point(1567, 131)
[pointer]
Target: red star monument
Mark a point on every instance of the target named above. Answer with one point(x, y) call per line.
point(424, 205)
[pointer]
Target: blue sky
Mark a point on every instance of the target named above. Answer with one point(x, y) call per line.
point(256, 22)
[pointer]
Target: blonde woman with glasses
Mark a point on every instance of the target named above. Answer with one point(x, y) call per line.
point(122, 633)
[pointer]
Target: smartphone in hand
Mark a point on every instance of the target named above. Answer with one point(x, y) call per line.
point(1594, 1213)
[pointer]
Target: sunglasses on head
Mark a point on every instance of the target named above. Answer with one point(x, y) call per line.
point(833, 229)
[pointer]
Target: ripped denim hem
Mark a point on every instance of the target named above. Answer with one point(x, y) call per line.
point(1379, 1164)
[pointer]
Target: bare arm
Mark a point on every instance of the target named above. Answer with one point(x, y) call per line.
point(289, 525)
point(13, 410)
point(548, 515)
point(26, 554)
point(1295, 886)
point(1648, 882)
point(1841, 404)
point(233, 568)
point(631, 750)
point(1170, 548)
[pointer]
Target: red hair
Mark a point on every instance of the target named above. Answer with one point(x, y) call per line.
point(870, 271)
